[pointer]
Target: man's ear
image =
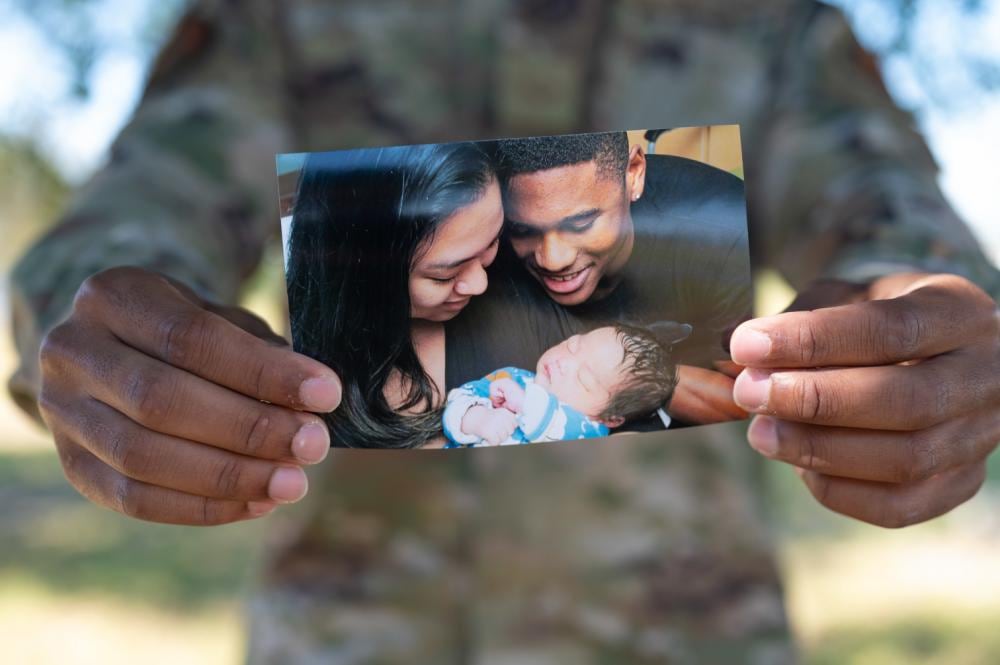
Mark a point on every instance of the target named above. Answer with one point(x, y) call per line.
point(613, 421)
point(635, 173)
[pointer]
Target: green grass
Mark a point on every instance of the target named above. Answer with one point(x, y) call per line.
point(925, 639)
point(181, 585)
point(55, 538)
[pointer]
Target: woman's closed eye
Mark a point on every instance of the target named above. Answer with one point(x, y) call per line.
point(489, 256)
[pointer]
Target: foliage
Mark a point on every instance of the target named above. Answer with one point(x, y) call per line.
point(32, 193)
point(75, 29)
point(940, 51)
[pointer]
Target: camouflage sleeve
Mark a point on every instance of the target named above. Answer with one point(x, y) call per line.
point(188, 188)
point(846, 186)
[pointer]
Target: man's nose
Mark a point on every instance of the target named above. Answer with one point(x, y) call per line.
point(553, 254)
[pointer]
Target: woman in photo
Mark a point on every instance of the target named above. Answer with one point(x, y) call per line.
point(385, 246)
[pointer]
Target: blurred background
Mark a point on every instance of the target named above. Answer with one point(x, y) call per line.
point(80, 584)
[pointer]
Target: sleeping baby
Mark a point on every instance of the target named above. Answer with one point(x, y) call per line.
point(582, 388)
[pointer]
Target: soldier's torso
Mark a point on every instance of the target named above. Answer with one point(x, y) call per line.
point(394, 72)
point(571, 553)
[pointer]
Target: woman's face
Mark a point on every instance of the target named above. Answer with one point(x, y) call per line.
point(452, 268)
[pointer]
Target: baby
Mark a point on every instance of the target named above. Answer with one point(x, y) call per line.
point(582, 388)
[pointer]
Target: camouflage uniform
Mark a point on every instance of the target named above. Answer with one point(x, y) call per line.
point(627, 552)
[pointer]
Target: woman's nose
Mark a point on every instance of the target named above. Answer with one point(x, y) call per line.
point(473, 283)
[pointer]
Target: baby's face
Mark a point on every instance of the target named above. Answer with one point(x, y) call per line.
point(584, 370)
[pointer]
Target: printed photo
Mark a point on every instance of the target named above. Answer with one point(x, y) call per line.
point(521, 290)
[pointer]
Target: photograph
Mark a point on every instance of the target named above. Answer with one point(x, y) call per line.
point(520, 290)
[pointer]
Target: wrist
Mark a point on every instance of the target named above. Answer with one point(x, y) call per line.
point(473, 418)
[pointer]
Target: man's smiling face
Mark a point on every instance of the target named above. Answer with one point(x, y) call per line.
point(572, 228)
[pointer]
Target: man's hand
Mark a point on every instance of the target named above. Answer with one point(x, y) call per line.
point(506, 394)
point(704, 396)
point(167, 408)
point(888, 407)
point(494, 426)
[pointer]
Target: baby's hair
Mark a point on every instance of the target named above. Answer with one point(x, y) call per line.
point(651, 379)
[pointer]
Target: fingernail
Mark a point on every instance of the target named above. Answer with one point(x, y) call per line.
point(260, 508)
point(321, 395)
point(752, 388)
point(311, 443)
point(763, 435)
point(748, 346)
point(288, 484)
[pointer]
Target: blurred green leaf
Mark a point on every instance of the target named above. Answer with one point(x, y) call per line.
point(55, 538)
point(32, 194)
point(939, 43)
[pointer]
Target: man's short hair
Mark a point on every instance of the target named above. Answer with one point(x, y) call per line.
point(527, 155)
point(651, 379)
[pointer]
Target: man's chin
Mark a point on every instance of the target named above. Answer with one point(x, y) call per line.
point(577, 297)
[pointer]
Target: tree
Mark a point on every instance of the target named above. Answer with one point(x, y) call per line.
point(936, 53)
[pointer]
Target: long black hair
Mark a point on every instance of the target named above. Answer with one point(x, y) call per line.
point(359, 220)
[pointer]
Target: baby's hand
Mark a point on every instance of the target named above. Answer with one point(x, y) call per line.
point(508, 394)
point(494, 426)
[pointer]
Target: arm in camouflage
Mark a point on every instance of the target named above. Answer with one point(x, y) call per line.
point(845, 186)
point(179, 193)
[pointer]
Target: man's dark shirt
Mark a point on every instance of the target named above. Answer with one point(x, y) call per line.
point(689, 264)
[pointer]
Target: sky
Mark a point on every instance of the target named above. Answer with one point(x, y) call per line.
point(75, 135)
point(965, 138)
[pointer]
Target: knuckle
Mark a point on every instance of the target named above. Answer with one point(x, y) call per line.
point(924, 458)
point(227, 477)
point(978, 480)
point(813, 449)
point(889, 520)
point(56, 347)
point(257, 429)
point(819, 486)
point(214, 511)
point(808, 344)
point(149, 393)
point(927, 398)
point(47, 404)
point(991, 320)
point(125, 452)
point(874, 335)
point(898, 514)
point(92, 290)
point(808, 401)
point(258, 371)
point(944, 399)
point(125, 498)
point(117, 447)
point(182, 337)
point(906, 330)
point(71, 462)
point(103, 286)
